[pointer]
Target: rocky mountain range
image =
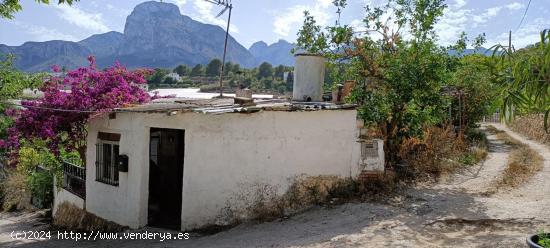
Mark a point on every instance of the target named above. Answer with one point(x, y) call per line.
point(277, 53)
point(155, 35)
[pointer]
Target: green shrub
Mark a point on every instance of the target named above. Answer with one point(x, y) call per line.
point(467, 159)
point(544, 239)
point(476, 136)
point(41, 186)
point(39, 167)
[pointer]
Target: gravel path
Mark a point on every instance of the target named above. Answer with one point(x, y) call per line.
point(479, 178)
point(455, 213)
point(531, 200)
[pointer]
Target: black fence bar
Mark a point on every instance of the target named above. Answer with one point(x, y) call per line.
point(74, 179)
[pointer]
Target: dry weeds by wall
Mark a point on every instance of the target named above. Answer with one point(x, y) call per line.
point(263, 202)
point(434, 154)
point(70, 217)
point(15, 192)
point(531, 126)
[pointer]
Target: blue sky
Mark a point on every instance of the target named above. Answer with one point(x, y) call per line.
point(270, 20)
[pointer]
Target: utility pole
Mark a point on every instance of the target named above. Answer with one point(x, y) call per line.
point(510, 42)
point(230, 6)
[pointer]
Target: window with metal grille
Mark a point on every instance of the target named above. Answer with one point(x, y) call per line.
point(369, 149)
point(106, 162)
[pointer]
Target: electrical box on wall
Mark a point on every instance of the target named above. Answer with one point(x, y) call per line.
point(122, 163)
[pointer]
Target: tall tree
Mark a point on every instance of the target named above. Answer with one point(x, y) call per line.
point(214, 68)
point(169, 80)
point(197, 71)
point(265, 70)
point(12, 84)
point(280, 72)
point(182, 70)
point(290, 81)
point(227, 68)
point(474, 93)
point(158, 76)
point(399, 76)
point(236, 68)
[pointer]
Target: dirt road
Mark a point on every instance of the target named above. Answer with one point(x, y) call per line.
point(458, 212)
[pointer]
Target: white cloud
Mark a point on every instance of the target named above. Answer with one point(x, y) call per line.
point(180, 4)
point(459, 4)
point(80, 18)
point(206, 12)
point(356, 24)
point(324, 3)
point(527, 35)
point(514, 6)
point(290, 19)
point(494, 11)
point(285, 22)
point(41, 33)
point(453, 22)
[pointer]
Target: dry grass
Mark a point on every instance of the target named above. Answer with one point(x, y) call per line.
point(523, 163)
point(480, 153)
point(73, 218)
point(435, 154)
point(501, 135)
point(493, 130)
point(262, 202)
point(16, 194)
point(508, 140)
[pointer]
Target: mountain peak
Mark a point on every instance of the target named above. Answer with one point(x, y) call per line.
point(283, 41)
point(156, 34)
point(102, 45)
point(277, 53)
point(258, 44)
point(168, 9)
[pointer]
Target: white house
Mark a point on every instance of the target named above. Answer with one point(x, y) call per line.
point(174, 76)
point(178, 163)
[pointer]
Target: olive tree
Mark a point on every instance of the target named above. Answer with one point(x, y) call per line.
point(396, 61)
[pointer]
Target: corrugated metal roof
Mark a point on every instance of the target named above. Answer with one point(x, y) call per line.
point(226, 105)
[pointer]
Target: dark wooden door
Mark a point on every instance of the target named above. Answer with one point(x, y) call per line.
point(166, 153)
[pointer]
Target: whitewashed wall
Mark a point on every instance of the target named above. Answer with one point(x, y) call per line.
point(222, 153)
point(60, 196)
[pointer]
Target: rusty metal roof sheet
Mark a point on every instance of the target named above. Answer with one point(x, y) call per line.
point(226, 105)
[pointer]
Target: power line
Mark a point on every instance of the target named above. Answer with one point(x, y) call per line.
point(115, 110)
point(52, 109)
point(524, 14)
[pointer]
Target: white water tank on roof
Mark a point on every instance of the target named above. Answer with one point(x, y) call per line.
point(309, 76)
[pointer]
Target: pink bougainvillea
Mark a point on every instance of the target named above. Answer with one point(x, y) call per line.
point(60, 117)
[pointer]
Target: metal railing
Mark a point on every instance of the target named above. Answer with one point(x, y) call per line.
point(494, 118)
point(74, 179)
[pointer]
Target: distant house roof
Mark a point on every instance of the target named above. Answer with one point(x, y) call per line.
point(195, 93)
point(174, 75)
